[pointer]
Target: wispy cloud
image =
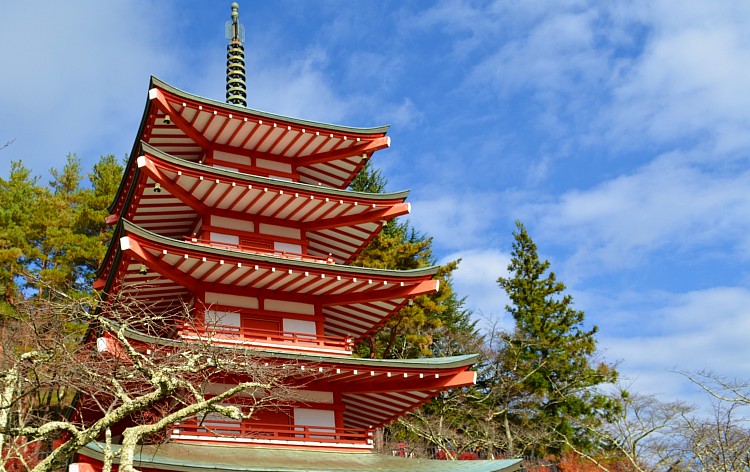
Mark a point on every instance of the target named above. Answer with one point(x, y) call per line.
point(690, 83)
point(299, 88)
point(73, 75)
point(476, 279)
point(703, 329)
point(668, 204)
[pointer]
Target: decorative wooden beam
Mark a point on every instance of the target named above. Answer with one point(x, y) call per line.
point(157, 96)
point(148, 166)
point(398, 209)
point(407, 291)
point(398, 383)
point(365, 148)
point(129, 244)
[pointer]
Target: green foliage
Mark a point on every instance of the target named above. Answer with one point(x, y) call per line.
point(432, 321)
point(369, 180)
point(55, 233)
point(550, 358)
point(18, 198)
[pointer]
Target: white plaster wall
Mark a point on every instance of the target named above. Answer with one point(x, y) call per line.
point(312, 417)
point(275, 230)
point(274, 165)
point(299, 326)
point(223, 318)
point(290, 307)
point(232, 223)
point(229, 157)
point(315, 396)
point(286, 247)
point(231, 300)
point(224, 238)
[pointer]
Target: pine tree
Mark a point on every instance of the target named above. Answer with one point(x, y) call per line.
point(19, 195)
point(56, 233)
point(550, 357)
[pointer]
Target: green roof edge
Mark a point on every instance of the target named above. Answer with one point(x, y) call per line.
point(340, 268)
point(272, 181)
point(156, 82)
point(190, 460)
point(447, 362)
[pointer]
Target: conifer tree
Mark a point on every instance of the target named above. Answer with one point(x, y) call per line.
point(550, 357)
point(19, 195)
point(56, 232)
point(431, 321)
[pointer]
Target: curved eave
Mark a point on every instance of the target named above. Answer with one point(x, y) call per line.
point(354, 301)
point(335, 223)
point(228, 254)
point(424, 364)
point(199, 129)
point(176, 164)
point(249, 112)
point(337, 138)
point(374, 391)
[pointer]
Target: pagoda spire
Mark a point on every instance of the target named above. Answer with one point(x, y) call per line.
point(235, 33)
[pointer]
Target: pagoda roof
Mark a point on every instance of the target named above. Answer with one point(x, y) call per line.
point(339, 223)
point(374, 391)
point(355, 301)
point(193, 457)
point(315, 152)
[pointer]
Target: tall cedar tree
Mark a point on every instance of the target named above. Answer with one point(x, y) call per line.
point(434, 325)
point(433, 322)
point(550, 355)
point(55, 232)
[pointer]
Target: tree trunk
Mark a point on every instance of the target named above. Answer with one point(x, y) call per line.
point(6, 401)
point(108, 456)
point(508, 436)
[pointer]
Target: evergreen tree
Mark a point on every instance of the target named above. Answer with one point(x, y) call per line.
point(435, 324)
point(19, 195)
point(57, 232)
point(431, 321)
point(550, 359)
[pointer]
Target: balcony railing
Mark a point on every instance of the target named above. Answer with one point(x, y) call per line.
point(257, 249)
point(279, 339)
point(271, 433)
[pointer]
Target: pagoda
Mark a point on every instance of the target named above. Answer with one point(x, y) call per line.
point(244, 217)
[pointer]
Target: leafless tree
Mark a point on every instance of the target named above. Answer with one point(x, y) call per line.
point(717, 443)
point(72, 372)
point(645, 434)
point(722, 388)
point(651, 435)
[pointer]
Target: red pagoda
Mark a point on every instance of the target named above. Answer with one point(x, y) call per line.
point(244, 217)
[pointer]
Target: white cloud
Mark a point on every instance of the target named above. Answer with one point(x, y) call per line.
point(476, 279)
point(557, 54)
point(403, 115)
point(299, 88)
point(458, 218)
point(70, 71)
point(691, 80)
point(703, 329)
point(667, 204)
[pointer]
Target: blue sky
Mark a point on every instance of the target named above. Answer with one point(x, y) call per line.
point(617, 132)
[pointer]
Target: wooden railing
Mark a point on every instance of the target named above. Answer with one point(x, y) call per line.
point(261, 250)
point(271, 432)
point(286, 338)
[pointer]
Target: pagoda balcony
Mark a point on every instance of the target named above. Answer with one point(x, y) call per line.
point(267, 339)
point(267, 434)
point(259, 249)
